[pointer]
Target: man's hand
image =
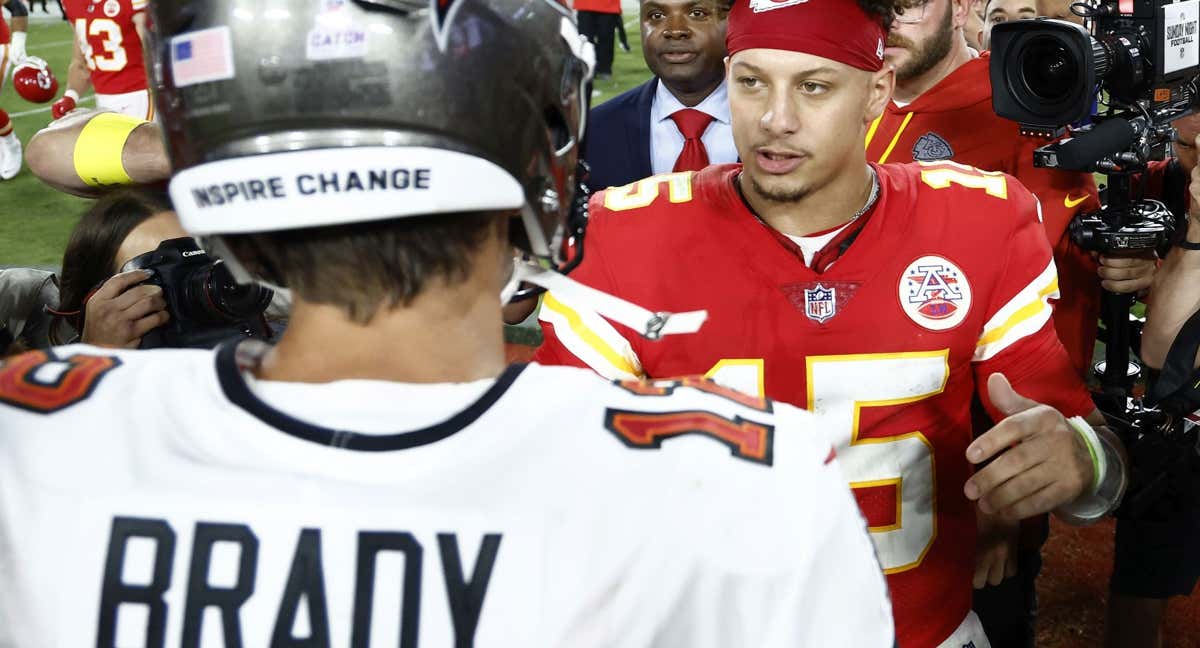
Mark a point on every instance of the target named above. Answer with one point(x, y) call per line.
point(121, 312)
point(1040, 461)
point(63, 106)
point(1127, 274)
point(995, 549)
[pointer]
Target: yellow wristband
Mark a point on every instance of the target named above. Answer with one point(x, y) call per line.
point(99, 147)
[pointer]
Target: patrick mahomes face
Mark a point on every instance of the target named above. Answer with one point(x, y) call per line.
point(798, 120)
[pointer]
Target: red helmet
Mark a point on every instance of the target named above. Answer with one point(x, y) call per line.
point(34, 81)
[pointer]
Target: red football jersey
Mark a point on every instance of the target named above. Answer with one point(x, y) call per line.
point(954, 120)
point(105, 31)
point(947, 282)
point(5, 34)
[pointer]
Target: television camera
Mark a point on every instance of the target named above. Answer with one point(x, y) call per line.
point(1140, 63)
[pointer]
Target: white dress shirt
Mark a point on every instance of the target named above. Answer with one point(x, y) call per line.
point(666, 142)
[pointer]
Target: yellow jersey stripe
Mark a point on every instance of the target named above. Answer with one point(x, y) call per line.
point(899, 131)
point(1023, 313)
point(871, 131)
point(588, 336)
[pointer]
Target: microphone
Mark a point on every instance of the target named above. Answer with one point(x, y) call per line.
point(1106, 138)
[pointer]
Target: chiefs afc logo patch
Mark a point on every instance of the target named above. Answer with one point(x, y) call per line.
point(935, 293)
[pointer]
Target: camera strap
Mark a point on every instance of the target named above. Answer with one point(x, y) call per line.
point(1178, 378)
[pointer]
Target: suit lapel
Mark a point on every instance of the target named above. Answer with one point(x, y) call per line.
point(640, 130)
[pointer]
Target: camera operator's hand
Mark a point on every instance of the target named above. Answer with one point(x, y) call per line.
point(1040, 461)
point(1127, 274)
point(995, 549)
point(121, 311)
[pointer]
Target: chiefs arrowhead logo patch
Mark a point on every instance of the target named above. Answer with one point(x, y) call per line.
point(932, 147)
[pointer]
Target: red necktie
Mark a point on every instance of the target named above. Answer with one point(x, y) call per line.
point(691, 123)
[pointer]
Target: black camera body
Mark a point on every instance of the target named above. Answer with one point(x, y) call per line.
point(1144, 55)
point(207, 306)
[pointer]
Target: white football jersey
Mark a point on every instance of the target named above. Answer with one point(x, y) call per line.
point(168, 498)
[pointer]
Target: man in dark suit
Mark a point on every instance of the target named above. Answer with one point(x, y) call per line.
point(677, 121)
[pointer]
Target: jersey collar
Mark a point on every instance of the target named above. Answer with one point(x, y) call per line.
point(234, 387)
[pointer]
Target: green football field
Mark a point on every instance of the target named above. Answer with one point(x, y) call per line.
point(35, 220)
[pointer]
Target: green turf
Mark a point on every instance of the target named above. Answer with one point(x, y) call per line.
point(35, 219)
point(629, 69)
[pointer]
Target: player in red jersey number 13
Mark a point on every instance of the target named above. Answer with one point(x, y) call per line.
point(108, 56)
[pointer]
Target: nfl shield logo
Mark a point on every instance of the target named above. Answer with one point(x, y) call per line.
point(820, 303)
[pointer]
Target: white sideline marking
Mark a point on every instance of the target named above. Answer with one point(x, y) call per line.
point(39, 45)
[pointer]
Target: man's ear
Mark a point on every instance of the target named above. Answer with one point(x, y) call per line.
point(879, 92)
point(959, 9)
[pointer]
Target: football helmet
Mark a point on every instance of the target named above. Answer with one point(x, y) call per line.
point(332, 112)
point(34, 81)
point(358, 110)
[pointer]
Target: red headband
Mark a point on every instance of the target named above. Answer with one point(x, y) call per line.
point(838, 30)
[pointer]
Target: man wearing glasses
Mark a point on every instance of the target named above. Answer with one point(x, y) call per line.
point(942, 110)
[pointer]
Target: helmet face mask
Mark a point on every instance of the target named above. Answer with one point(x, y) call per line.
point(340, 111)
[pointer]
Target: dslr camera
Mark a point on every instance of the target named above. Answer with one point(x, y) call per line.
point(207, 306)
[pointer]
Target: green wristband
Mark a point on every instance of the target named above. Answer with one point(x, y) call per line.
point(1099, 465)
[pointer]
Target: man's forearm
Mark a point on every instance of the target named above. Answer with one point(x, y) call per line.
point(1176, 296)
point(79, 78)
point(20, 16)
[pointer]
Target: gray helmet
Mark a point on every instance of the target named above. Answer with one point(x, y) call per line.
point(283, 115)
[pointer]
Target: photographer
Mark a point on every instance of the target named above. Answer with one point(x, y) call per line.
point(1154, 557)
point(132, 278)
point(96, 304)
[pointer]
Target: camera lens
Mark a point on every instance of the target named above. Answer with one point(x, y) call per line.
point(1048, 69)
point(237, 301)
point(215, 297)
